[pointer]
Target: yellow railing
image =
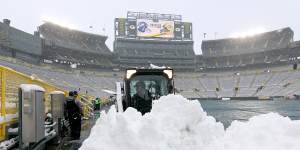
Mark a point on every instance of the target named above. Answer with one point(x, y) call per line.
point(10, 82)
point(87, 105)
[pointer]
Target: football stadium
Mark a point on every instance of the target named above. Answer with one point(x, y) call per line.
point(260, 66)
point(263, 66)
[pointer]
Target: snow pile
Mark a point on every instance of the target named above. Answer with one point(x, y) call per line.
point(176, 123)
point(173, 123)
point(29, 87)
point(10, 105)
point(57, 92)
point(8, 117)
point(8, 143)
point(157, 67)
point(264, 132)
point(13, 130)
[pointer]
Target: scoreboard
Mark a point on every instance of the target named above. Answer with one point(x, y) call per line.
point(139, 25)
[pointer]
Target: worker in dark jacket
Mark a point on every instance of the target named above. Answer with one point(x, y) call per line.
point(97, 103)
point(142, 98)
point(73, 115)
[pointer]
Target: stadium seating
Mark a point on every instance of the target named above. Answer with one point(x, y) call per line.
point(135, 53)
point(268, 58)
point(72, 39)
point(64, 46)
point(67, 80)
point(280, 81)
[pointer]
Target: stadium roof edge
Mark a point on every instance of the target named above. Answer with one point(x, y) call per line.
point(15, 28)
point(234, 38)
point(57, 25)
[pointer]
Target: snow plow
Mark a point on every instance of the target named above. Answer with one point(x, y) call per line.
point(142, 86)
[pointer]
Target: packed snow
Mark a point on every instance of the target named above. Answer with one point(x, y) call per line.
point(176, 123)
point(57, 92)
point(157, 67)
point(8, 117)
point(10, 105)
point(29, 87)
point(4, 145)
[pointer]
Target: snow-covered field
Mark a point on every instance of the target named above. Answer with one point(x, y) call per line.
point(176, 123)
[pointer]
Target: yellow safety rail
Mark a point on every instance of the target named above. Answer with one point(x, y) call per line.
point(10, 82)
point(87, 105)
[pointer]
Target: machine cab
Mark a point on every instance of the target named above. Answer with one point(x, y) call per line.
point(142, 86)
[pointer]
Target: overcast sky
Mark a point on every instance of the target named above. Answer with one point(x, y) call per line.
point(214, 17)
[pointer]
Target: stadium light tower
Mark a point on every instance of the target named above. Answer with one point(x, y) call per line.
point(216, 35)
point(104, 31)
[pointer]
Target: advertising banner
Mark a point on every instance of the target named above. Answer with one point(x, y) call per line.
point(158, 29)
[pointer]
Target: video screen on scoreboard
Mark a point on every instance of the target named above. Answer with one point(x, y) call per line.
point(151, 29)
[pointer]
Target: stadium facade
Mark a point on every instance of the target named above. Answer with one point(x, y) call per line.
point(19, 44)
point(148, 38)
point(260, 66)
point(263, 42)
point(268, 49)
point(79, 49)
